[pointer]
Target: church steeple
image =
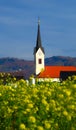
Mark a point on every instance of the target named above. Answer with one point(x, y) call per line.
point(38, 41)
point(38, 53)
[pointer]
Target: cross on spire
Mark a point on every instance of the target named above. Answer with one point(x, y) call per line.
point(38, 21)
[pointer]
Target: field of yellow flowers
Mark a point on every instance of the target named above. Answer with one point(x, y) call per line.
point(43, 106)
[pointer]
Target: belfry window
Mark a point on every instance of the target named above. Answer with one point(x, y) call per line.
point(40, 61)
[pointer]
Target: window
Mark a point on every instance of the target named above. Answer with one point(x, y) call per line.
point(40, 61)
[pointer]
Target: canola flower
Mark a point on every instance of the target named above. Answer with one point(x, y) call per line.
point(30, 105)
point(32, 119)
point(44, 102)
point(22, 127)
point(47, 125)
point(40, 128)
point(46, 106)
point(65, 113)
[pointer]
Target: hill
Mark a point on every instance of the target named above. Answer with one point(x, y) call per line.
point(27, 67)
point(18, 66)
point(61, 60)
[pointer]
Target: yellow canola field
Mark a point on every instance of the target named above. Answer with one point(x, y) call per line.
point(43, 106)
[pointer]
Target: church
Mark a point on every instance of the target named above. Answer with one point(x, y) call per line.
point(53, 73)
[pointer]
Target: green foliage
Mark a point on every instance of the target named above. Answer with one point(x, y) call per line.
point(6, 78)
point(44, 106)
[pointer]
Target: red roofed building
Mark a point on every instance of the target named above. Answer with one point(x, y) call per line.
point(54, 73)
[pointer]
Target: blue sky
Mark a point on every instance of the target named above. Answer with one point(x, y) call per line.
point(18, 27)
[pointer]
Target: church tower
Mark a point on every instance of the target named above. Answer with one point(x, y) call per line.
point(39, 53)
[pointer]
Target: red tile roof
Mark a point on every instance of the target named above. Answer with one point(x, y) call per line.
point(54, 71)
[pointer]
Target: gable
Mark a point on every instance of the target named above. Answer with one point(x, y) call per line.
point(39, 52)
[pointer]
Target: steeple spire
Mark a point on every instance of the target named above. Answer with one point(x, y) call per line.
point(38, 53)
point(38, 41)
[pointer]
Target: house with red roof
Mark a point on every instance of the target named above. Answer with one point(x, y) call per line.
point(42, 72)
point(57, 73)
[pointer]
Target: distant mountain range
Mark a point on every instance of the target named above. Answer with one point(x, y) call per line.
point(61, 60)
point(27, 66)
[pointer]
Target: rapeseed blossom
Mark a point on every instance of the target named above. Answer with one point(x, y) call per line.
point(44, 102)
point(46, 106)
point(47, 124)
point(68, 92)
point(30, 105)
point(65, 113)
point(32, 119)
point(22, 127)
point(40, 128)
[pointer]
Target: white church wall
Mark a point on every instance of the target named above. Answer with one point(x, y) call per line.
point(48, 79)
point(39, 66)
